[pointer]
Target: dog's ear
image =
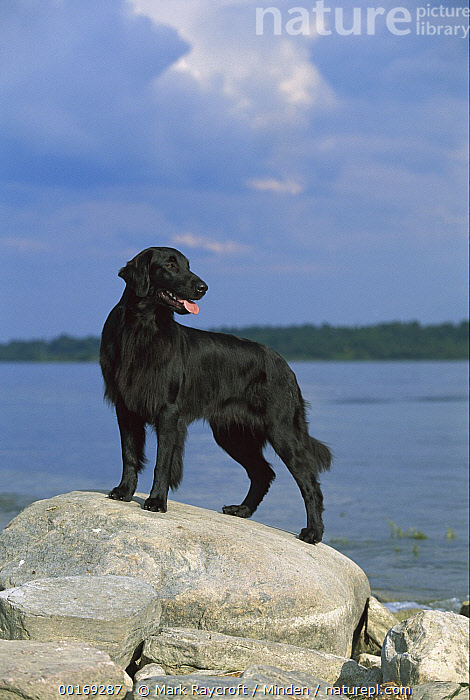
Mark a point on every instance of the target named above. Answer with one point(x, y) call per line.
point(136, 273)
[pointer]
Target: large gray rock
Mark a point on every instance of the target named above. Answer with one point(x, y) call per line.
point(377, 623)
point(275, 681)
point(272, 684)
point(212, 571)
point(149, 671)
point(369, 660)
point(37, 670)
point(112, 613)
point(431, 646)
point(441, 691)
point(181, 651)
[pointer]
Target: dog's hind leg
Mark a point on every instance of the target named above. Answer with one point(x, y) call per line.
point(171, 436)
point(246, 448)
point(132, 430)
point(304, 457)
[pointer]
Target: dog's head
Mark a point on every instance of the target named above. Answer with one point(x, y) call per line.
point(163, 275)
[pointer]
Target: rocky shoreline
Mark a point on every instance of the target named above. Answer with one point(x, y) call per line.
point(100, 598)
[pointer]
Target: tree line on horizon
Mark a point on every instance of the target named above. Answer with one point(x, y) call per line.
point(383, 341)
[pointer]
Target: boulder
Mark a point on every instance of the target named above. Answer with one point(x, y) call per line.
point(212, 571)
point(431, 646)
point(181, 651)
point(465, 608)
point(378, 621)
point(441, 691)
point(38, 670)
point(149, 671)
point(369, 660)
point(215, 686)
point(275, 681)
point(374, 676)
point(268, 675)
point(112, 613)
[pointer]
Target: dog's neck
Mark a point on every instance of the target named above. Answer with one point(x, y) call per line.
point(156, 317)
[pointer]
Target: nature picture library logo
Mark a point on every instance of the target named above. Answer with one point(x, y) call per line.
point(322, 20)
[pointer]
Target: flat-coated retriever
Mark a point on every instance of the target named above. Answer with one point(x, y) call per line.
point(160, 373)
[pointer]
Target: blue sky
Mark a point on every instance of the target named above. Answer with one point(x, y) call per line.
point(309, 178)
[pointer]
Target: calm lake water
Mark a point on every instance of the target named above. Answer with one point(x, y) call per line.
point(396, 499)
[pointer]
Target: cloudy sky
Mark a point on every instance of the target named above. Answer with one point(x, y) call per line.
point(310, 175)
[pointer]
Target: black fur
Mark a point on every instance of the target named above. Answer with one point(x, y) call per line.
point(160, 373)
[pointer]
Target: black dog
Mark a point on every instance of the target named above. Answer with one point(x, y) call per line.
point(160, 373)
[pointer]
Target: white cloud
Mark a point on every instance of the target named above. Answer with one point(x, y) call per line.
point(267, 80)
point(219, 247)
point(273, 185)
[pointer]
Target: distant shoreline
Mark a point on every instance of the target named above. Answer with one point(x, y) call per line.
point(384, 341)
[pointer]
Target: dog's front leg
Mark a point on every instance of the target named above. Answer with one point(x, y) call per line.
point(171, 435)
point(132, 430)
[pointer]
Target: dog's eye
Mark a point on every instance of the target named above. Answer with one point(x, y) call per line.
point(171, 265)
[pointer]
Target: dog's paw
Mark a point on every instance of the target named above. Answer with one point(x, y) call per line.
point(238, 511)
point(120, 494)
point(311, 535)
point(156, 505)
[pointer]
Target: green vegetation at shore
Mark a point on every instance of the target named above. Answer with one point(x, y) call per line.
point(385, 341)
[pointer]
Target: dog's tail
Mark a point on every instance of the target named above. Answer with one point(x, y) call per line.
point(321, 454)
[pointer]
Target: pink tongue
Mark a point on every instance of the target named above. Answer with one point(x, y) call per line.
point(191, 307)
